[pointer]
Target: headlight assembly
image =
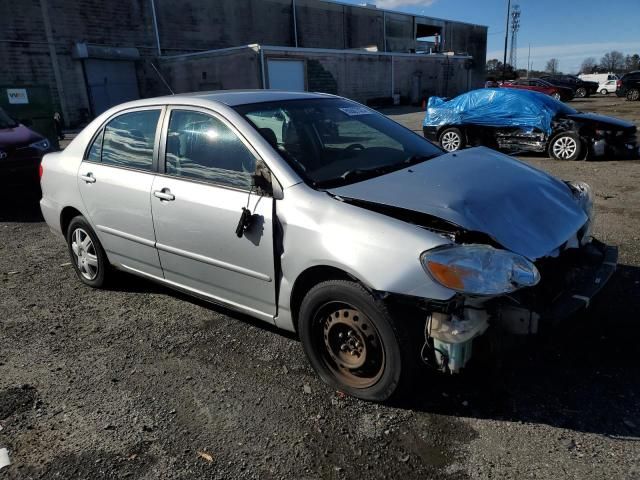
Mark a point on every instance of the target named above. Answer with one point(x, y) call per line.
point(41, 145)
point(479, 269)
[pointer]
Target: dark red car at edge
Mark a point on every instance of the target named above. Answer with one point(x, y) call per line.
point(21, 150)
point(538, 85)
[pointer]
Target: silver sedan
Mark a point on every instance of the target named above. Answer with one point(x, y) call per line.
point(325, 218)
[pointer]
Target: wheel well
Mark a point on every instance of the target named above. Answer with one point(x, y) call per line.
point(68, 213)
point(310, 278)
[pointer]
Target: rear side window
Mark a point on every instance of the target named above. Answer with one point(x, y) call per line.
point(95, 152)
point(128, 140)
point(202, 147)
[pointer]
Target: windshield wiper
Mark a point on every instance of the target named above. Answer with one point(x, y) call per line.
point(358, 174)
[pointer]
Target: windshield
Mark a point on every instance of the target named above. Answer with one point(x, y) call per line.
point(334, 141)
point(6, 121)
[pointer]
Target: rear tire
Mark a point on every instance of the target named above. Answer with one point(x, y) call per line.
point(633, 95)
point(565, 146)
point(581, 92)
point(604, 91)
point(87, 255)
point(556, 96)
point(353, 342)
point(452, 139)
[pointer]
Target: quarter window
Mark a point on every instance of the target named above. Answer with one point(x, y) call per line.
point(128, 140)
point(95, 152)
point(202, 147)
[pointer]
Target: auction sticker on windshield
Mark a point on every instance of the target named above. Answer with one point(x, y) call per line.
point(354, 111)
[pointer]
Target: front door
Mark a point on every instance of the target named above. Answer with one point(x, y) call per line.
point(115, 182)
point(197, 200)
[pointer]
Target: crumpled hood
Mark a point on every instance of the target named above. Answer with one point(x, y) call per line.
point(603, 120)
point(479, 189)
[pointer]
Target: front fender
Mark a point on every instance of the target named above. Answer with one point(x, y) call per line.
point(381, 252)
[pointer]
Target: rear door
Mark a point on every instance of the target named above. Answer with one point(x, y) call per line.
point(115, 182)
point(197, 199)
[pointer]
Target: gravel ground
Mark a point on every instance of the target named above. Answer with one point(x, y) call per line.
point(141, 382)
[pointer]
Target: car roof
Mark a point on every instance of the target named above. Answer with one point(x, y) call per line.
point(231, 98)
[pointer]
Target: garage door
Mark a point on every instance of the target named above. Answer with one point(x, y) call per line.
point(286, 75)
point(110, 82)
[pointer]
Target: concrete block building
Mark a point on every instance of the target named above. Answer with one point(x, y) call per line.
point(94, 54)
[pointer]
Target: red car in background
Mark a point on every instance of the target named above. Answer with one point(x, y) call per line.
point(538, 85)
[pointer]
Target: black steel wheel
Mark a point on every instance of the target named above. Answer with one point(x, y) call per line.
point(353, 342)
point(633, 94)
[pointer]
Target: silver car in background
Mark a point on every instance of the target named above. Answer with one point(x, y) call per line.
point(325, 218)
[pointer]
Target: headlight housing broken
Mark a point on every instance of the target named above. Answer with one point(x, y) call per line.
point(479, 269)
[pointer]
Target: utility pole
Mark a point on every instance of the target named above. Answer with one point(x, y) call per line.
point(506, 42)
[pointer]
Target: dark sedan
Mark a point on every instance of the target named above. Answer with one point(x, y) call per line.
point(21, 150)
point(513, 121)
point(581, 88)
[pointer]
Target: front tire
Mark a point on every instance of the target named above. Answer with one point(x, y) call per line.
point(604, 91)
point(633, 95)
point(581, 92)
point(353, 342)
point(556, 96)
point(452, 139)
point(87, 255)
point(565, 146)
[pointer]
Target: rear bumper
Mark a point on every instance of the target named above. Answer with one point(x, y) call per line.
point(430, 133)
point(51, 213)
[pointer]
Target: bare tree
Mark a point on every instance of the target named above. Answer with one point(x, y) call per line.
point(632, 62)
point(552, 66)
point(612, 61)
point(589, 65)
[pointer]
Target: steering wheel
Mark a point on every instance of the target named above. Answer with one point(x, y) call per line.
point(353, 147)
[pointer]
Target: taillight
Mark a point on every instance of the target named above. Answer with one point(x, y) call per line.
point(40, 171)
point(618, 83)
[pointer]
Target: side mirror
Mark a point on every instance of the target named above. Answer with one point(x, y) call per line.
point(261, 179)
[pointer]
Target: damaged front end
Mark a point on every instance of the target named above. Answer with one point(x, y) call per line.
point(499, 289)
point(567, 284)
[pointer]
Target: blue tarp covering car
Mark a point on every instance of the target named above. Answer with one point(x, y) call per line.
point(496, 107)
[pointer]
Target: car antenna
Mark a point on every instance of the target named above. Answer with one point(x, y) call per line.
point(162, 78)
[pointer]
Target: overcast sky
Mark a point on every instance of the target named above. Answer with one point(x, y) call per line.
point(569, 30)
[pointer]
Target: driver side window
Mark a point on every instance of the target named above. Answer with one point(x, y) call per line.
point(201, 147)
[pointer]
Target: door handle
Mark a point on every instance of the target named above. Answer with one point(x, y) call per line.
point(88, 178)
point(164, 194)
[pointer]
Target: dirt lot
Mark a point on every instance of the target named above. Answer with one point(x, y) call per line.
point(142, 382)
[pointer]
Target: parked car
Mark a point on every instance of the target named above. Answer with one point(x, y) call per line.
point(21, 151)
point(515, 120)
point(610, 86)
point(581, 88)
point(326, 218)
point(629, 86)
point(541, 86)
point(598, 77)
